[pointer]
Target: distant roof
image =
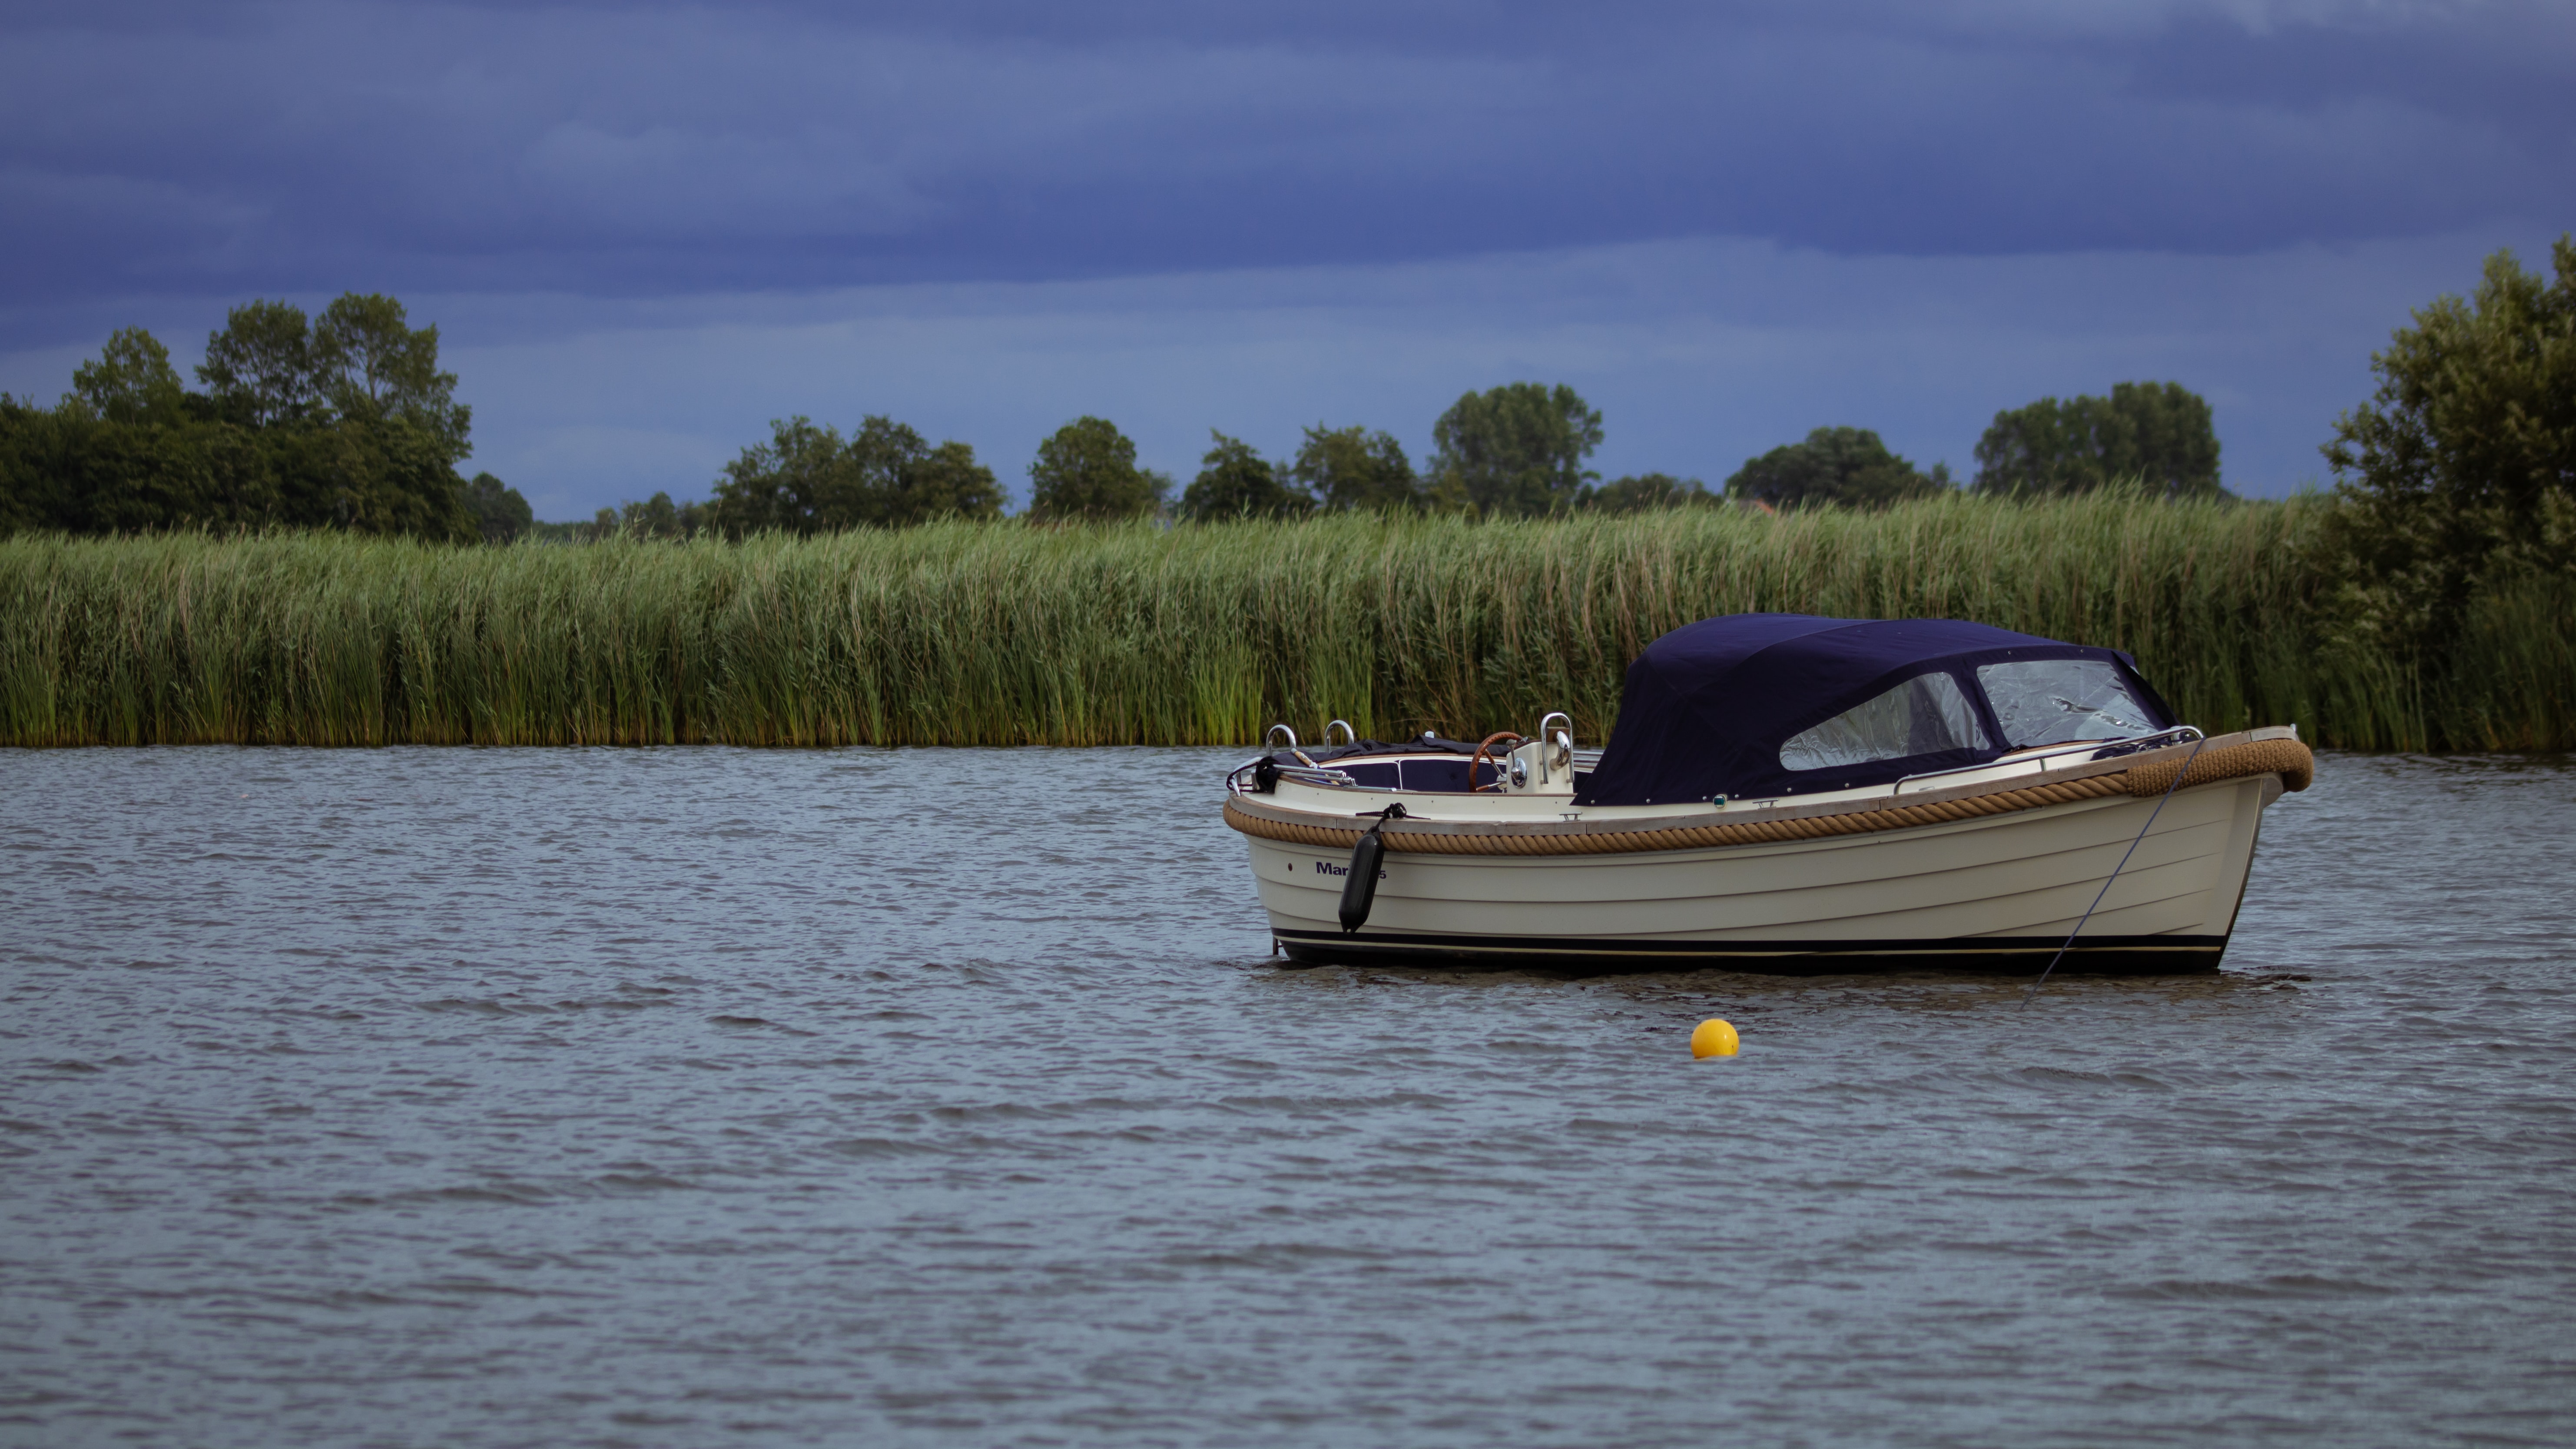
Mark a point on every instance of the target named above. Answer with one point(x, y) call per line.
point(1708, 705)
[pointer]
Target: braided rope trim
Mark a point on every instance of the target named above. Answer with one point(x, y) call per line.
point(2289, 759)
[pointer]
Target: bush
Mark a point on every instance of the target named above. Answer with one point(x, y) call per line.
point(1354, 468)
point(2458, 478)
point(1646, 492)
point(1515, 451)
point(807, 479)
point(2156, 435)
point(1236, 482)
point(1087, 470)
point(1845, 466)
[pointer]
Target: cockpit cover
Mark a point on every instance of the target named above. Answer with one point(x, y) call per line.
point(1708, 706)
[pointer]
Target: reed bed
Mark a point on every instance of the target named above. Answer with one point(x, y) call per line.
point(1004, 634)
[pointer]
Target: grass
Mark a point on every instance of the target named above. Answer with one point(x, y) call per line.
point(1008, 634)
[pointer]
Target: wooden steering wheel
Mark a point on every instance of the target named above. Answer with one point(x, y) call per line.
point(1485, 755)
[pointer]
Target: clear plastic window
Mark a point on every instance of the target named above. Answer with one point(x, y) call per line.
point(2058, 701)
point(1923, 716)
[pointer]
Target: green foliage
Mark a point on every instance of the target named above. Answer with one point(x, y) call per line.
point(1848, 467)
point(501, 514)
point(2158, 435)
point(807, 479)
point(351, 426)
point(1086, 470)
point(1101, 634)
point(371, 365)
point(2458, 478)
point(131, 382)
point(259, 369)
point(1352, 468)
point(70, 470)
point(1646, 493)
point(654, 517)
point(1236, 482)
point(1514, 451)
point(802, 480)
point(944, 482)
point(361, 361)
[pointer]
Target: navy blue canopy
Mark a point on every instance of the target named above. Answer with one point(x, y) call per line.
point(1709, 706)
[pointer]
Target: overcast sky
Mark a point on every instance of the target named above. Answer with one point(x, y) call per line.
point(643, 231)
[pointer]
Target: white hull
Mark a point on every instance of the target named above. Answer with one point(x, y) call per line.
point(2001, 891)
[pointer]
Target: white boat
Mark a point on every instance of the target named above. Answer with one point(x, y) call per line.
point(1785, 793)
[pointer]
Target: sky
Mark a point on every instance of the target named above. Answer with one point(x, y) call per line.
point(644, 231)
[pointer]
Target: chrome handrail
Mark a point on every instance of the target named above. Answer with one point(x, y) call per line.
point(2101, 750)
point(1349, 736)
point(1563, 740)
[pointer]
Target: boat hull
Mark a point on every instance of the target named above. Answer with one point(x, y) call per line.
point(1999, 893)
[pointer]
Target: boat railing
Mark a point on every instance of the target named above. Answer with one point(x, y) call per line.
point(1307, 771)
point(2093, 749)
point(1556, 727)
point(1308, 774)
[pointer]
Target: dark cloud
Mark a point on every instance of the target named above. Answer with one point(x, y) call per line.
point(620, 150)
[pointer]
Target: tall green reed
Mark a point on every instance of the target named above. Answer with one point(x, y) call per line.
point(1012, 634)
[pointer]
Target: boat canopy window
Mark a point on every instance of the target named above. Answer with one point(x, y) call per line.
point(2060, 701)
point(1925, 715)
point(1760, 706)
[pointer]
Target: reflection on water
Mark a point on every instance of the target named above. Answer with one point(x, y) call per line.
point(694, 1096)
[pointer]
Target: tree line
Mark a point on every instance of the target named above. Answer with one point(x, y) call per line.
point(345, 420)
point(1515, 451)
point(340, 420)
point(2458, 475)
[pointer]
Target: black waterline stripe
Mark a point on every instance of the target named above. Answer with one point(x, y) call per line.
point(1595, 946)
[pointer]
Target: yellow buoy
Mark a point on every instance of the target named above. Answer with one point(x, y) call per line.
point(1713, 1038)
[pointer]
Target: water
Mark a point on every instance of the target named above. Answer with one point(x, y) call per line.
point(693, 1097)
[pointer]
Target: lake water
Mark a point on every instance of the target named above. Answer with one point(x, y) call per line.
point(705, 1097)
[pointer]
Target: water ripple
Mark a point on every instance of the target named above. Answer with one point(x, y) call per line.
point(495, 1097)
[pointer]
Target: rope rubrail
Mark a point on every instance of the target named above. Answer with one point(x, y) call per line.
point(2286, 758)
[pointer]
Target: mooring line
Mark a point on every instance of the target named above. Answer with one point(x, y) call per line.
point(2115, 871)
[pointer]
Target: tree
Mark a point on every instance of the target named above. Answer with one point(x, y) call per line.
point(500, 512)
point(806, 479)
point(131, 381)
point(908, 482)
point(69, 468)
point(1353, 468)
point(2157, 433)
point(1849, 467)
point(130, 449)
point(1517, 450)
point(1646, 492)
point(659, 517)
point(361, 361)
point(371, 365)
point(2460, 472)
point(800, 481)
point(1087, 469)
point(1236, 482)
point(259, 369)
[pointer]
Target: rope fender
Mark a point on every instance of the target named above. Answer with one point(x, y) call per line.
point(2287, 758)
